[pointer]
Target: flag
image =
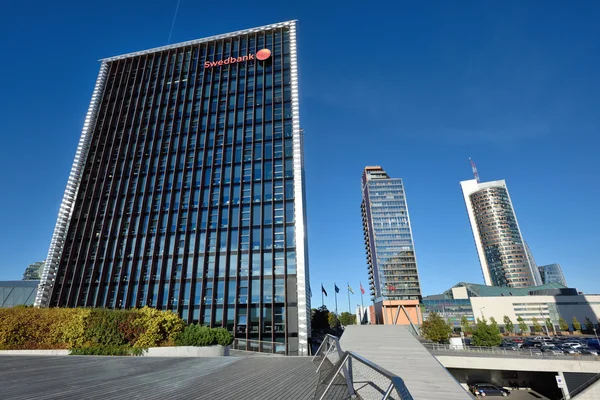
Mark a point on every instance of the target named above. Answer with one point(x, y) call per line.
point(337, 289)
point(323, 290)
point(362, 289)
point(350, 289)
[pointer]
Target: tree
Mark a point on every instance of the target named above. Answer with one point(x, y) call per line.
point(522, 326)
point(508, 325)
point(334, 322)
point(549, 325)
point(536, 325)
point(493, 322)
point(465, 325)
point(347, 319)
point(576, 324)
point(320, 318)
point(486, 335)
point(589, 325)
point(435, 328)
point(562, 324)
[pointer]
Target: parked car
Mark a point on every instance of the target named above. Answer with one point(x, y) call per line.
point(592, 352)
point(487, 389)
point(574, 345)
point(593, 343)
point(553, 351)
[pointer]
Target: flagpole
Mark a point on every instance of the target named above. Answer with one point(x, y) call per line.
point(335, 294)
point(322, 297)
point(362, 304)
point(348, 288)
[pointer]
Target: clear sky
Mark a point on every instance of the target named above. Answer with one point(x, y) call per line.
point(416, 87)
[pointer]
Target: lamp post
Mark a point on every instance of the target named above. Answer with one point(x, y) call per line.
point(481, 311)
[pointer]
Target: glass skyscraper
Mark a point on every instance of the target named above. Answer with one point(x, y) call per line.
point(187, 189)
point(504, 256)
point(552, 273)
point(391, 260)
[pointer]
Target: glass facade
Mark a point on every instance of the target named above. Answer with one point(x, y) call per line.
point(451, 310)
point(17, 293)
point(191, 192)
point(552, 273)
point(391, 257)
point(502, 251)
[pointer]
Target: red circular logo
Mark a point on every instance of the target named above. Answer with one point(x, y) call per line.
point(263, 54)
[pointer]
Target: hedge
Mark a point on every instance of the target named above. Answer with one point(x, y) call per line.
point(197, 335)
point(27, 328)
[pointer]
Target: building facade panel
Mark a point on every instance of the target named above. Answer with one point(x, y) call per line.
point(538, 307)
point(191, 193)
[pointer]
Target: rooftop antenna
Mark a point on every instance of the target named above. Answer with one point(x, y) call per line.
point(474, 170)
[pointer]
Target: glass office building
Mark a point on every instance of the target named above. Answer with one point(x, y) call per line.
point(389, 244)
point(451, 310)
point(187, 189)
point(552, 273)
point(502, 252)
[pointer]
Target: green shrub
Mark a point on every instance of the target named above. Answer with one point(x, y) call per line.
point(196, 335)
point(159, 328)
point(107, 351)
point(223, 336)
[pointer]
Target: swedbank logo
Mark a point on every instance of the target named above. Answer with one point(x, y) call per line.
point(260, 55)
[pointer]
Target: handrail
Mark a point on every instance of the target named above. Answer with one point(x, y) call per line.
point(333, 343)
point(348, 365)
point(433, 347)
point(396, 384)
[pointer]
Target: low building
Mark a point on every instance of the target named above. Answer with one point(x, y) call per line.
point(550, 301)
point(17, 293)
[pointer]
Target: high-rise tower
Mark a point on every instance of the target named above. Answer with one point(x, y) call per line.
point(502, 252)
point(187, 189)
point(393, 273)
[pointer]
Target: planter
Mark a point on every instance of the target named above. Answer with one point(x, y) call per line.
point(34, 352)
point(188, 351)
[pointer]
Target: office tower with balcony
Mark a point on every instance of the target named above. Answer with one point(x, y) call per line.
point(33, 271)
point(187, 190)
point(503, 254)
point(392, 264)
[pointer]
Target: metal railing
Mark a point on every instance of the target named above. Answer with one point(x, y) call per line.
point(348, 375)
point(499, 351)
point(258, 346)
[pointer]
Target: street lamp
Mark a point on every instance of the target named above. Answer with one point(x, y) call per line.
point(481, 311)
point(598, 342)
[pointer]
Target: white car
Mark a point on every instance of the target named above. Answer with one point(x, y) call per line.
point(573, 345)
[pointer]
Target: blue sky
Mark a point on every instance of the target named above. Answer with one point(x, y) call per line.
point(415, 88)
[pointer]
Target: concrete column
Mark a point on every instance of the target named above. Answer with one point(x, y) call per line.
point(565, 388)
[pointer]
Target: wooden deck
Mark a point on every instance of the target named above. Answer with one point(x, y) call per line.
point(88, 377)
